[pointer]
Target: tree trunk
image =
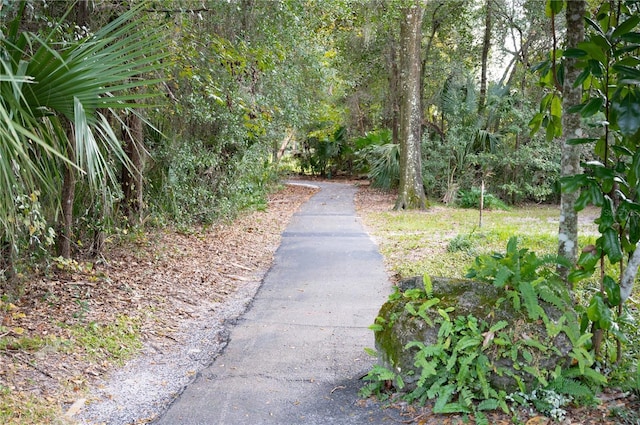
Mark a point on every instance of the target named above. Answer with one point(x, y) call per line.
point(486, 45)
point(132, 180)
point(82, 12)
point(435, 26)
point(570, 161)
point(394, 88)
point(411, 192)
point(68, 195)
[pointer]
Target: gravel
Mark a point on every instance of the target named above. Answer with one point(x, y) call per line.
point(143, 388)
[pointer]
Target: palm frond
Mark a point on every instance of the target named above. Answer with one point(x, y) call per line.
point(41, 82)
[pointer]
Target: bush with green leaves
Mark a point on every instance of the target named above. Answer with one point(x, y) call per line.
point(471, 199)
point(528, 173)
point(379, 158)
point(457, 371)
point(325, 152)
point(195, 182)
point(608, 74)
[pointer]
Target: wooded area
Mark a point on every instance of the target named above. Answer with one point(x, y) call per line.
point(184, 112)
point(118, 115)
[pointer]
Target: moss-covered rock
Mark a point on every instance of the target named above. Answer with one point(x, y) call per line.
point(483, 301)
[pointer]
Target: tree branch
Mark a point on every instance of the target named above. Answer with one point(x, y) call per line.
point(168, 11)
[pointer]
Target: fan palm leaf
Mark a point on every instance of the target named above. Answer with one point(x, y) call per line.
point(42, 81)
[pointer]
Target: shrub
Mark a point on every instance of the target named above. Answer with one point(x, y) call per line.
point(471, 199)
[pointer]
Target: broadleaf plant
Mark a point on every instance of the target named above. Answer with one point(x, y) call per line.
point(609, 78)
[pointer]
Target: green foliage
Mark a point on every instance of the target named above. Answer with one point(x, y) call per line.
point(493, 147)
point(514, 266)
point(379, 158)
point(461, 242)
point(378, 378)
point(118, 340)
point(455, 371)
point(385, 165)
point(323, 153)
point(32, 230)
point(609, 79)
point(471, 199)
point(59, 93)
point(528, 173)
point(197, 183)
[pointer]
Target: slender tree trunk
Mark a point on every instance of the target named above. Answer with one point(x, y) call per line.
point(570, 161)
point(68, 195)
point(435, 26)
point(394, 88)
point(82, 12)
point(132, 180)
point(486, 45)
point(411, 192)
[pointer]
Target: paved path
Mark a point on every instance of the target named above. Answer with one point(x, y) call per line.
point(296, 356)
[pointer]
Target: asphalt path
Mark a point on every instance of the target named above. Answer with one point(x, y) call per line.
point(297, 355)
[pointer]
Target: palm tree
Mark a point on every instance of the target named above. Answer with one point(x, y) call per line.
point(53, 123)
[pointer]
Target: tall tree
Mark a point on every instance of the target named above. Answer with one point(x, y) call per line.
point(411, 191)
point(486, 45)
point(570, 160)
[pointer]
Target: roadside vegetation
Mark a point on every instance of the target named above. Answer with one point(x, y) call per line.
point(123, 123)
point(446, 241)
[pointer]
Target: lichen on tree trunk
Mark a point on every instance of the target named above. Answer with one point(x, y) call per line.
point(570, 160)
point(411, 192)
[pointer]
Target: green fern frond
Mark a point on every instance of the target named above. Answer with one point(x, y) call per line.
point(444, 395)
point(488, 404)
point(503, 276)
point(436, 387)
point(551, 296)
point(530, 298)
point(481, 418)
point(570, 387)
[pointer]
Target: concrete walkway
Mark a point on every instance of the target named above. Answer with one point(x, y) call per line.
point(297, 355)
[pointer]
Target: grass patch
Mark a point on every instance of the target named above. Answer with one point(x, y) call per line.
point(22, 408)
point(443, 241)
point(113, 341)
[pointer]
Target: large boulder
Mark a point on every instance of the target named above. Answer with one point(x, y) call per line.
point(467, 297)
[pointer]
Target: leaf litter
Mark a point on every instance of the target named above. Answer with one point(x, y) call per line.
point(178, 290)
point(182, 290)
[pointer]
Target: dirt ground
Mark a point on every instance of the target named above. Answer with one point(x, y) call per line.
point(165, 280)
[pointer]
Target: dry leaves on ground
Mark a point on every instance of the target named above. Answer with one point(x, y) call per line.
point(161, 278)
point(155, 279)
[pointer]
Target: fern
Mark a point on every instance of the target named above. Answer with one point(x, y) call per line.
point(503, 277)
point(488, 404)
point(435, 388)
point(481, 418)
point(530, 298)
point(571, 387)
point(444, 395)
point(550, 293)
point(482, 365)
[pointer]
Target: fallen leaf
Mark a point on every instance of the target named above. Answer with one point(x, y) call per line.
point(75, 407)
point(538, 420)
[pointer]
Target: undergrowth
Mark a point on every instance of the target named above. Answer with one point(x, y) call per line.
point(456, 371)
